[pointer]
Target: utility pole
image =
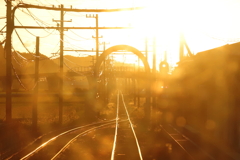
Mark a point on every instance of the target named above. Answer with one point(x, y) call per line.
point(35, 103)
point(61, 30)
point(8, 54)
point(138, 88)
point(152, 111)
point(154, 55)
point(104, 45)
point(97, 37)
point(105, 92)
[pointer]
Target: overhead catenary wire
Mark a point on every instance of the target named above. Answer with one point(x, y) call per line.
point(76, 65)
point(18, 61)
point(49, 33)
point(48, 2)
point(3, 28)
point(72, 45)
point(20, 82)
point(29, 50)
point(71, 61)
point(76, 14)
point(69, 37)
point(72, 69)
point(14, 58)
point(22, 42)
point(32, 33)
point(81, 74)
point(20, 65)
point(43, 23)
point(36, 19)
point(78, 36)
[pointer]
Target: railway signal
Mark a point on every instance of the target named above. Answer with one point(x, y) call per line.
point(164, 67)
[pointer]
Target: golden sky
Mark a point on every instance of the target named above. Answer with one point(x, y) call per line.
point(205, 24)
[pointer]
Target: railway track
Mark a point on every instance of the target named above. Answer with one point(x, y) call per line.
point(194, 147)
point(126, 147)
point(44, 148)
point(62, 145)
point(120, 138)
point(192, 150)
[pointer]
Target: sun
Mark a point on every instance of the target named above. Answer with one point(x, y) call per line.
point(151, 23)
point(198, 21)
point(160, 23)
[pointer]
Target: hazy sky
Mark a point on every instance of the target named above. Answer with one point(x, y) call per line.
point(205, 23)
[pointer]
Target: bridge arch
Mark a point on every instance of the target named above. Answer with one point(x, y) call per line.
point(117, 48)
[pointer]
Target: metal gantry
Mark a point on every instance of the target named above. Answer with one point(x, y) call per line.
point(61, 28)
point(10, 26)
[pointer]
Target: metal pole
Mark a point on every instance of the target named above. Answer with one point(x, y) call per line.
point(8, 53)
point(35, 105)
point(97, 43)
point(61, 30)
point(154, 55)
point(154, 81)
point(104, 77)
point(135, 86)
point(97, 37)
point(148, 107)
point(138, 89)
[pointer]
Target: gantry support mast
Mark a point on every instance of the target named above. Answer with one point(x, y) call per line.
point(10, 26)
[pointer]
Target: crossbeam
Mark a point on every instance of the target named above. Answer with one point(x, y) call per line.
point(23, 5)
point(39, 27)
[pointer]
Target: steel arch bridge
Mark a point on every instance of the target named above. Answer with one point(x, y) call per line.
point(135, 51)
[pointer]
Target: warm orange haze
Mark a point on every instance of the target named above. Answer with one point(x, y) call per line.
point(120, 79)
point(159, 19)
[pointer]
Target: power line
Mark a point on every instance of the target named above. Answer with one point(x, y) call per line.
point(77, 39)
point(48, 2)
point(31, 32)
point(79, 36)
point(19, 80)
point(21, 41)
point(37, 20)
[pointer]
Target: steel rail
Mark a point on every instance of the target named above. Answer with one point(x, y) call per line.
point(115, 121)
point(192, 142)
point(94, 128)
point(185, 139)
point(177, 142)
point(131, 124)
point(73, 139)
point(116, 129)
point(54, 138)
